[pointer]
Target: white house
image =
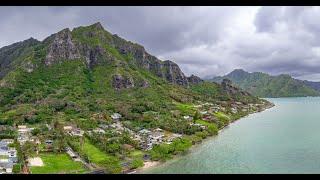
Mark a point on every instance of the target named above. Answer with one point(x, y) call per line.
point(203, 112)
point(116, 116)
point(77, 132)
point(187, 118)
point(144, 131)
point(234, 110)
point(67, 128)
point(99, 131)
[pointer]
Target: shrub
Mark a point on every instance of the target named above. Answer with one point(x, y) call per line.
point(16, 168)
point(35, 131)
point(136, 163)
point(165, 151)
point(202, 134)
point(111, 164)
point(212, 129)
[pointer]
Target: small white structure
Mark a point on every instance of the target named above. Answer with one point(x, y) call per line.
point(144, 131)
point(67, 128)
point(189, 118)
point(49, 127)
point(99, 131)
point(173, 137)
point(77, 132)
point(116, 116)
point(244, 110)
point(234, 110)
point(6, 168)
point(158, 130)
point(24, 134)
point(239, 103)
point(22, 127)
point(72, 154)
point(7, 141)
point(8, 156)
point(203, 112)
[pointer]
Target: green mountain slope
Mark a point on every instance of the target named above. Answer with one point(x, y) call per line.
point(264, 85)
point(81, 77)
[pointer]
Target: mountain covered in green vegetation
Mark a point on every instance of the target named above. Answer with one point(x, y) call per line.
point(263, 85)
point(82, 77)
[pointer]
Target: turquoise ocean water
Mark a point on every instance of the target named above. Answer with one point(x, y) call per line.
point(283, 139)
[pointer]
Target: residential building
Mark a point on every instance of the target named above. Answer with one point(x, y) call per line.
point(116, 116)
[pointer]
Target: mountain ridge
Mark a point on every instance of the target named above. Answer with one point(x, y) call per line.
point(62, 44)
point(265, 85)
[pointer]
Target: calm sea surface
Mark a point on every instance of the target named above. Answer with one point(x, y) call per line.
point(283, 139)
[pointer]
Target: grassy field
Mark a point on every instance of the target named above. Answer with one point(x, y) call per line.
point(100, 158)
point(186, 109)
point(136, 154)
point(221, 115)
point(58, 164)
point(94, 154)
point(202, 122)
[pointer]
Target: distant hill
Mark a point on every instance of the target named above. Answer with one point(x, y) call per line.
point(265, 85)
point(313, 85)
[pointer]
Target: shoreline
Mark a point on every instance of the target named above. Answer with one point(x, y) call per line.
point(152, 164)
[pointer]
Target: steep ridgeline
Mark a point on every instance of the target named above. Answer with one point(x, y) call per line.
point(264, 85)
point(16, 51)
point(98, 46)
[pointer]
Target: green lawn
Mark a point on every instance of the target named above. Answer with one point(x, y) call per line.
point(94, 154)
point(186, 109)
point(221, 115)
point(100, 158)
point(136, 154)
point(202, 122)
point(58, 164)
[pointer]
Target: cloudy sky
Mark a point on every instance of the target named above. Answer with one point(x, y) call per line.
point(204, 41)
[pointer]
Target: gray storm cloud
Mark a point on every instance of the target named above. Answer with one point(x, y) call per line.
point(205, 41)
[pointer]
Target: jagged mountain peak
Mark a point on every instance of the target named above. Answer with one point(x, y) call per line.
point(239, 71)
point(96, 46)
point(31, 39)
point(193, 79)
point(98, 26)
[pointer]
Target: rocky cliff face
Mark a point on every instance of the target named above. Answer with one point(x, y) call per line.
point(194, 79)
point(120, 82)
point(232, 90)
point(14, 51)
point(173, 73)
point(62, 48)
point(93, 43)
point(164, 69)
